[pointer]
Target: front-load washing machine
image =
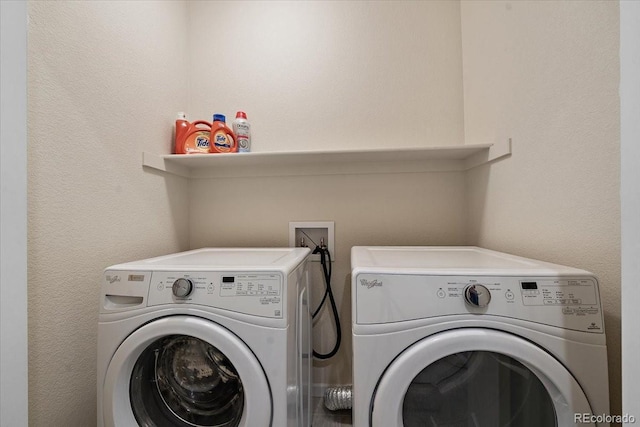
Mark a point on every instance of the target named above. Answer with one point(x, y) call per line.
point(210, 337)
point(463, 336)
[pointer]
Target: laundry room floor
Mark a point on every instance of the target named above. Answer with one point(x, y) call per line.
point(322, 417)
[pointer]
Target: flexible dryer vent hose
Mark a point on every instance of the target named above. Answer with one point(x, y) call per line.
point(339, 397)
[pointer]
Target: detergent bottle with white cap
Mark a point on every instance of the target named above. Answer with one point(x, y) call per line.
point(192, 138)
point(242, 129)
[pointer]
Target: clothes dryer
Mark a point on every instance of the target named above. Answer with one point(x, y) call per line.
point(210, 337)
point(464, 336)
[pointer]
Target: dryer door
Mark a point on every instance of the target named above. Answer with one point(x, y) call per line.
point(476, 377)
point(185, 371)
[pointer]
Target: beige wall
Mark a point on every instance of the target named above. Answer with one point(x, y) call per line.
point(104, 82)
point(314, 75)
point(547, 74)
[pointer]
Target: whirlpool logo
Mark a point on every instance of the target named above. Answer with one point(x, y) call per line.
point(113, 279)
point(370, 283)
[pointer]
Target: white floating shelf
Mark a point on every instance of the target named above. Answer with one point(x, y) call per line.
point(328, 162)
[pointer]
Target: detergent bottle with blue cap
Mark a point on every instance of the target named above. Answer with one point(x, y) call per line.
point(223, 140)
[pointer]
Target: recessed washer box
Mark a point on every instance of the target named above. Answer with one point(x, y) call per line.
point(313, 232)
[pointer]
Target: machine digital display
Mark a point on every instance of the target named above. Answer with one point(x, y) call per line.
point(529, 285)
point(228, 279)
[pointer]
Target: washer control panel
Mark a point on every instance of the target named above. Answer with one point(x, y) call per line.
point(254, 293)
point(566, 302)
point(243, 285)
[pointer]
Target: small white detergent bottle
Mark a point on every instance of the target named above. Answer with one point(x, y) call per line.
point(242, 129)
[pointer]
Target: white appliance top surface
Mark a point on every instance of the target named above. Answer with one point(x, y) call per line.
point(450, 260)
point(222, 259)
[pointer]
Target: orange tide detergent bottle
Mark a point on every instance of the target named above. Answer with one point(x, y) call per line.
point(223, 140)
point(192, 138)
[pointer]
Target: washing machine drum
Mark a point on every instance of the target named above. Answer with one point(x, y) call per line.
point(187, 379)
point(185, 371)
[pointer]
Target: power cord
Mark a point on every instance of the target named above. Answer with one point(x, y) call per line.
point(324, 257)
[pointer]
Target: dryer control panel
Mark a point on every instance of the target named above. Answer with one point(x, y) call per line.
point(576, 292)
point(566, 302)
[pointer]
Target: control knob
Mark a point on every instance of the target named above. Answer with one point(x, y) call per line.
point(477, 295)
point(182, 287)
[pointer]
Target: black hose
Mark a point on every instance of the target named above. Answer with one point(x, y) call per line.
point(324, 254)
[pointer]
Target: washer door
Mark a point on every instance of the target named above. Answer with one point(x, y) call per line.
point(476, 377)
point(185, 371)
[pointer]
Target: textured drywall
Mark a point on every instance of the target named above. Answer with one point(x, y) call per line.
point(385, 209)
point(330, 74)
point(104, 82)
point(546, 74)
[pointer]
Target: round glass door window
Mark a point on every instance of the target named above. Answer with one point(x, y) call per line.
point(183, 381)
point(477, 388)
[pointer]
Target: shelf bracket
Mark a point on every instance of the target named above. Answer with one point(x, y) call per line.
point(498, 150)
point(154, 161)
